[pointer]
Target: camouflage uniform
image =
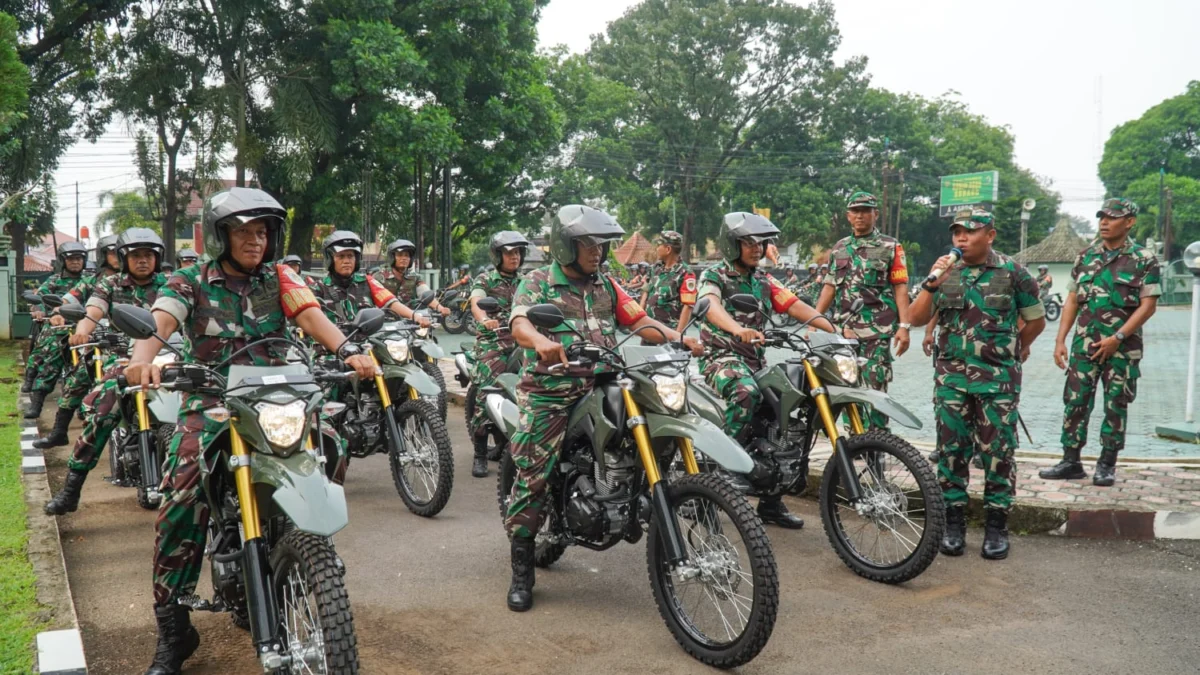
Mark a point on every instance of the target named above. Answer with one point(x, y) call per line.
point(867, 267)
point(732, 374)
point(594, 307)
point(1045, 282)
point(978, 374)
point(668, 290)
point(1109, 286)
point(101, 408)
point(80, 380)
point(46, 358)
point(218, 316)
point(407, 290)
point(341, 303)
point(492, 348)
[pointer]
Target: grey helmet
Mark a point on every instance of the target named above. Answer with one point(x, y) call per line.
point(292, 258)
point(140, 237)
point(1041, 268)
point(505, 240)
point(401, 245)
point(342, 240)
point(102, 245)
point(71, 248)
point(238, 205)
point(741, 225)
point(577, 222)
point(186, 254)
point(89, 268)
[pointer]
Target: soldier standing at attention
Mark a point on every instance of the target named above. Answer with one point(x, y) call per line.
point(870, 266)
point(979, 301)
point(671, 290)
point(1114, 289)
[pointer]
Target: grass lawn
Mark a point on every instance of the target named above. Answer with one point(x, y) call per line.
point(19, 621)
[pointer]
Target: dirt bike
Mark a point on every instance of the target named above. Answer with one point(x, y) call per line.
point(395, 414)
point(273, 508)
point(505, 384)
point(460, 317)
point(881, 505)
point(711, 567)
point(1053, 303)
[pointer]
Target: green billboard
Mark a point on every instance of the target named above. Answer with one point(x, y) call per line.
point(964, 190)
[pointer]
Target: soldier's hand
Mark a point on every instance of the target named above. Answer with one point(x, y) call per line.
point(422, 320)
point(1104, 349)
point(76, 339)
point(551, 352)
point(748, 335)
point(445, 311)
point(37, 315)
point(694, 345)
point(363, 366)
point(1060, 356)
point(927, 343)
point(1024, 354)
point(900, 342)
point(491, 324)
point(57, 320)
point(942, 263)
point(147, 375)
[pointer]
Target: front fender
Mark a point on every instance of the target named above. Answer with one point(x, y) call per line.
point(708, 438)
point(302, 491)
point(432, 350)
point(414, 377)
point(878, 400)
point(164, 405)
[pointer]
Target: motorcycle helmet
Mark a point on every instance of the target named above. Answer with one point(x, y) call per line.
point(136, 238)
point(338, 241)
point(741, 225)
point(505, 240)
point(237, 205)
point(581, 223)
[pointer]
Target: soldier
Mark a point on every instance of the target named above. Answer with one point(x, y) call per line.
point(140, 251)
point(186, 257)
point(869, 266)
point(1114, 289)
point(809, 289)
point(980, 301)
point(494, 345)
point(733, 333)
point(670, 292)
point(46, 361)
point(406, 285)
point(346, 290)
point(168, 269)
point(464, 278)
point(1044, 281)
point(594, 305)
point(221, 306)
point(295, 262)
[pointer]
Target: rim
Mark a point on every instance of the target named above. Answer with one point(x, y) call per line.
point(302, 627)
point(884, 529)
point(712, 594)
point(419, 465)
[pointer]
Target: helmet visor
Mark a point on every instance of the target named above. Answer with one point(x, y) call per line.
point(590, 240)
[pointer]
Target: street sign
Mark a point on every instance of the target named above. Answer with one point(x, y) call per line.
point(965, 190)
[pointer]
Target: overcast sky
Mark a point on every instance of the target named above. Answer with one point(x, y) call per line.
point(1060, 74)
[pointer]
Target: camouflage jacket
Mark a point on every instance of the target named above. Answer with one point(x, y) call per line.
point(406, 289)
point(723, 282)
point(493, 284)
point(977, 312)
point(59, 284)
point(341, 303)
point(121, 289)
point(217, 318)
point(668, 290)
point(593, 307)
point(1109, 286)
point(867, 268)
point(83, 290)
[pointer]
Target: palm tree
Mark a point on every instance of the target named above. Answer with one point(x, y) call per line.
point(129, 209)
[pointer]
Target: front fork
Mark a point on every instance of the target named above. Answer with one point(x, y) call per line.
point(844, 464)
point(151, 468)
point(385, 400)
point(256, 566)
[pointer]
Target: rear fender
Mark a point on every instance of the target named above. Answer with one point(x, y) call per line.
point(503, 413)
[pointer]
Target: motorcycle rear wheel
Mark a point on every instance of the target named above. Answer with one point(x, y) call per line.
point(424, 473)
point(455, 322)
point(1053, 311)
point(318, 627)
point(434, 371)
point(900, 495)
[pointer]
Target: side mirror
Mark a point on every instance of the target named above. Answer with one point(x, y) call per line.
point(856, 305)
point(31, 298)
point(52, 300)
point(450, 295)
point(701, 308)
point(744, 302)
point(72, 312)
point(545, 316)
point(369, 321)
point(424, 300)
point(488, 305)
point(136, 322)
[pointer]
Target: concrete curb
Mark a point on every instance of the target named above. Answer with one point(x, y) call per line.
point(59, 651)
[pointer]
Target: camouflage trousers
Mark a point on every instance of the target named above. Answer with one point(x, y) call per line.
point(102, 415)
point(1118, 376)
point(968, 424)
point(535, 448)
point(77, 385)
point(491, 359)
point(733, 380)
point(877, 373)
point(47, 358)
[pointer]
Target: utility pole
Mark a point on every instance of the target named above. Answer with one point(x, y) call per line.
point(418, 236)
point(446, 262)
point(1167, 227)
point(76, 210)
point(1162, 174)
point(899, 206)
point(884, 210)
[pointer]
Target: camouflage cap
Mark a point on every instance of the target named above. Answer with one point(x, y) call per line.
point(669, 238)
point(1117, 207)
point(973, 219)
point(862, 200)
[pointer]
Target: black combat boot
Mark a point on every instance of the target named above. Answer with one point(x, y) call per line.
point(935, 457)
point(479, 468)
point(1106, 468)
point(67, 499)
point(27, 384)
point(520, 592)
point(36, 399)
point(995, 537)
point(771, 510)
point(955, 538)
point(1069, 468)
point(177, 640)
point(57, 435)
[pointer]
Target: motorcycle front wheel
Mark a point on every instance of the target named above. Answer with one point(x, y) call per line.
point(1053, 311)
point(892, 534)
point(318, 627)
point(434, 371)
point(720, 603)
point(424, 471)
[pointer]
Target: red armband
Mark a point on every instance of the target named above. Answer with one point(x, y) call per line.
point(899, 272)
point(294, 295)
point(629, 311)
point(781, 298)
point(687, 290)
point(382, 296)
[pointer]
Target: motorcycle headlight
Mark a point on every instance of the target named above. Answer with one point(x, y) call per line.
point(282, 424)
point(672, 390)
point(847, 367)
point(163, 359)
point(398, 350)
point(422, 332)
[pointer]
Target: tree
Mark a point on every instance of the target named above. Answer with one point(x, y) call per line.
point(14, 81)
point(1166, 137)
point(128, 209)
point(1185, 208)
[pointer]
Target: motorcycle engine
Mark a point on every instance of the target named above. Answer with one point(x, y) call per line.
point(227, 576)
point(777, 467)
point(599, 507)
point(363, 428)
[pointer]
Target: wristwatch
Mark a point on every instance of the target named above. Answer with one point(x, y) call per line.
point(1120, 336)
point(905, 326)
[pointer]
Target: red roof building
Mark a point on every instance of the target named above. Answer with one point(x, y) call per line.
point(636, 249)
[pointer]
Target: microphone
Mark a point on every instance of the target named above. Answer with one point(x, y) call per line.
point(956, 254)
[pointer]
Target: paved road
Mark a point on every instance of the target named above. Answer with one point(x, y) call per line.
point(428, 598)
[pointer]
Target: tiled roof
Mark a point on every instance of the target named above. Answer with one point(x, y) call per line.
point(1062, 245)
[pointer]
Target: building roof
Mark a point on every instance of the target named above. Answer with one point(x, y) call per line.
point(1062, 245)
point(636, 249)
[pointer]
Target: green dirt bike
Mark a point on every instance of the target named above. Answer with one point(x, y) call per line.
point(460, 317)
point(711, 567)
point(506, 385)
point(881, 505)
point(273, 508)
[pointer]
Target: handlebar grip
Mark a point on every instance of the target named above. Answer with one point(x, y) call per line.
point(572, 364)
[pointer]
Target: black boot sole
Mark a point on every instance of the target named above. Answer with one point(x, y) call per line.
point(47, 443)
point(520, 607)
point(952, 552)
point(996, 556)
